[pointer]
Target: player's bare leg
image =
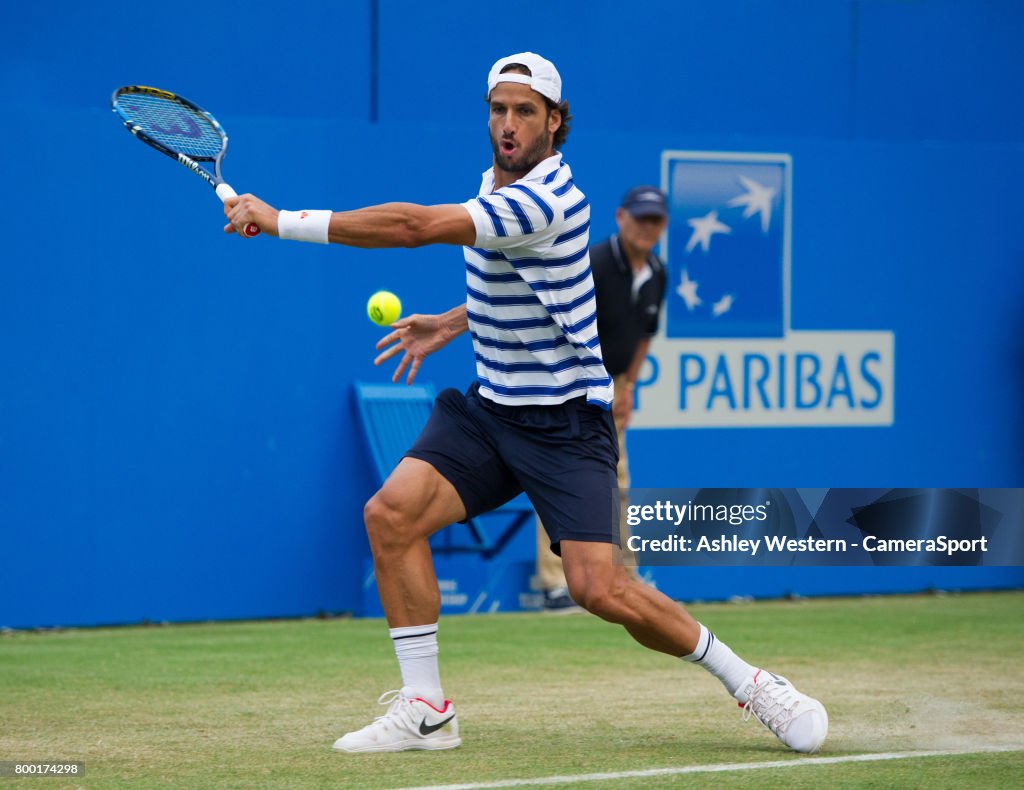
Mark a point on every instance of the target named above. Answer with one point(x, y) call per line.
point(414, 503)
point(600, 584)
point(603, 586)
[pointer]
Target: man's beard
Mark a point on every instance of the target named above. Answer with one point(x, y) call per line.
point(527, 159)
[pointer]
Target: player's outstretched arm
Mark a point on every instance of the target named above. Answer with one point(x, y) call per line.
point(386, 225)
point(419, 336)
point(403, 225)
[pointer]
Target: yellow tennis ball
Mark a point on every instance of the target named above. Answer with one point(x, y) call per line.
point(384, 308)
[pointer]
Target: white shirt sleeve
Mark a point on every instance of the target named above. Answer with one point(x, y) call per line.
point(507, 217)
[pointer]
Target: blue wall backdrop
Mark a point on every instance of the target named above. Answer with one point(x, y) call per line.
point(177, 434)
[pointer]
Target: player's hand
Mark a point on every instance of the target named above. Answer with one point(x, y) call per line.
point(622, 406)
point(246, 209)
point(418, 336)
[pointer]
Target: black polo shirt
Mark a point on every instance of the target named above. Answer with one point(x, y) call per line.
point(623, 321)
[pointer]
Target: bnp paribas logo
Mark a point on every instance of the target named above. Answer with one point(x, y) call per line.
point(727, 355)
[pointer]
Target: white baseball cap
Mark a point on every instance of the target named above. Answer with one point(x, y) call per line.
point(543, 76)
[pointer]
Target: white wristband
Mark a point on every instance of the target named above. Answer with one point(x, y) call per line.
point(308, 225)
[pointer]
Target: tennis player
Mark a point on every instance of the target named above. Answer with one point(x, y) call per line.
point(537, 418)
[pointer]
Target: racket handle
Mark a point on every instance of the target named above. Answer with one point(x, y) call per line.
point(224, 191)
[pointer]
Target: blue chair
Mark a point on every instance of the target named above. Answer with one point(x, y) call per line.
point(393, 416)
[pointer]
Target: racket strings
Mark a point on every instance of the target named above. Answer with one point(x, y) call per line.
point(174, 125)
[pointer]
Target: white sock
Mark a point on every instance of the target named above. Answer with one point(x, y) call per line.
point(718, 659)
point(416, 649)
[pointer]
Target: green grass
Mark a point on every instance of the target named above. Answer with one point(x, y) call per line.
point(252, 705)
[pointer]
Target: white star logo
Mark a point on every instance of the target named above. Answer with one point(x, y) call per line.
point(722, 306)
point(687, 290)
point(703, 228)
point(757, 199)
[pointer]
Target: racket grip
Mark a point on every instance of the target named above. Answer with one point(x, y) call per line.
point(224, 191)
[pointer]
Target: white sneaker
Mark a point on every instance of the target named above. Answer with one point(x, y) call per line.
point(799, 721)
point(409, 723)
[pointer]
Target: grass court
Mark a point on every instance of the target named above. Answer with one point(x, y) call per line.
point(258, 704)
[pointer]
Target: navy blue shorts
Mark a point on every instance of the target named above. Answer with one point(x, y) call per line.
point(562, 456)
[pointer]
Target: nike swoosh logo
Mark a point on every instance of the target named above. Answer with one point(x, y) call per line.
point(426, 729)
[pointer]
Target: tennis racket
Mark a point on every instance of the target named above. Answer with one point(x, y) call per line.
point(175, 126)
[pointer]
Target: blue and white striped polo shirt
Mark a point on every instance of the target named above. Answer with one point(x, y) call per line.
point(530, 294)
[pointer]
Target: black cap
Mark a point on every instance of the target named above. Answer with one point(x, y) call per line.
point(646, 201)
